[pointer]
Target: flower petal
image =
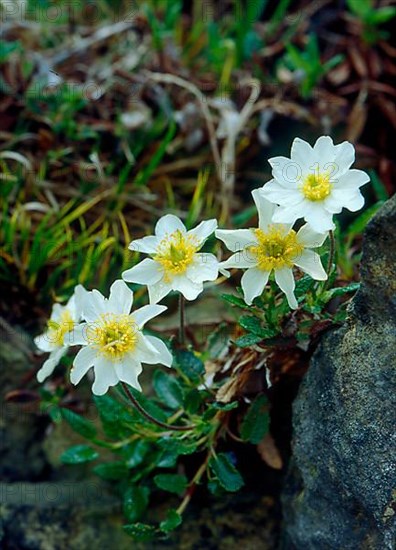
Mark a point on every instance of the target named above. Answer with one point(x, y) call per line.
point(158, 291)
point(121, 297)
point(253, 283)
point(243, 259)
point(169, 224)
point(344, 157)
point(203, 230)
point(147, 245)
point(274, 192)
point(83, 361)
point(265, 209)
point(105, 375)
point(49, 365)
point(128, 371)
point(236, 239)
point(164, 355)
point(324, 149)
point(310, 238)
point(204, 268)
point(77, 336)
point(93, 305)
point(285, 280)
point(189, 289)
point(147, 272)
point(309, 261)
point(286, 172)
point(44, 343)
point(302, 155)
point(319, 218)
point(351, 179)
point(145, 313)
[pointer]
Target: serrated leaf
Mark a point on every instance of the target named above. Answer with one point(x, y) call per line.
point(141, 532)
point(247, 340)
point(339, 291)
point(135, 502)
point(226, 473)
point(256, 422)
point(168, 389)
point(190, 365)
point(78, 454)
point(79, 424)
point(112, 470)
point(254, 326)
point(234, 301)
point(172, 521)
point(173, 483)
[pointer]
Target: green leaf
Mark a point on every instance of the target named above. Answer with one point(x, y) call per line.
point(359, 224)
point(111, 470)
point(339, 291)
point(172, 521)
point(247, 340)
point(226, 473)
point(79, 454)
point(362, 8)
point(304, 285)
point(256, 422)
point(381, 15)
point(141, 532)
point(173, 483)
point(79, 424)
point(134, 453)
point(135, 502)
point(234, 301)
point(193, 400)
point(380, 190)
point(190, 365)
point(225, 406)
point(168, 389)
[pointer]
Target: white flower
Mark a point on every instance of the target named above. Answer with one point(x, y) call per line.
point(175, 262)
point(315, 183)
point(272, 247)
point(56, 339)
point(112, 339)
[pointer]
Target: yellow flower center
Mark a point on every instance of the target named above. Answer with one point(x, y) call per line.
point(113, 335)
point(316, 187)
point(276, 248)
point(176, 253)
point(57, 330)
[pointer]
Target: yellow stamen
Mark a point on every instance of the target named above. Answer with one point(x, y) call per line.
point(176, 253)
point(57, 330)
point(113, 335)
point(316, 187)
point(276, 248)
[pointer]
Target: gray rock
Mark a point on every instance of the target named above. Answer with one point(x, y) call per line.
point(341, 488)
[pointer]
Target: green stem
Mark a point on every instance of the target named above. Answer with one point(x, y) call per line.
point(331, 258)
point(147, 415)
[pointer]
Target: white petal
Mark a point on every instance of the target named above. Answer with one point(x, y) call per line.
point(158, 291)
point(169, 224)
point(164, 355)
point(285, 280)
point(145, 313)
point(344, 158)
point(79, 292)
point(147, 245)
point(236, 239)
point(77, 336)
point(310, 263)
point(310, 238)
point(144, 351)
point(286, 172)
point(320, 219)
point(265, 209)
point(50, 364)
point(204, 268)
point(355, 203)
point(325, 151)
point(189, 289)
point(203, 230)
point(302, 155)
point(286, 214)
point(128, 371)
point(72, 307)
point(241, 260)
point(83, 361)
point(93, 305)
point(44, 342)
point(147, 272)
point(253, 283)
point(105, 375)
point(121, 297)
point(274, 192)
point(352, 179)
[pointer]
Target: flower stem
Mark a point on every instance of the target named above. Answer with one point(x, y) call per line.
point(182, 332)
point(331, 258)
point(147, 415)
point(193, 484)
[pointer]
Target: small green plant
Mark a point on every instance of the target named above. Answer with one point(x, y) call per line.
point(372, 18)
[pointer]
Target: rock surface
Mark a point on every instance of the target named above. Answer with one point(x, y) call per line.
point(341, 488)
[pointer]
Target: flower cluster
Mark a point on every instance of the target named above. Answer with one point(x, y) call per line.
point(314, 184)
